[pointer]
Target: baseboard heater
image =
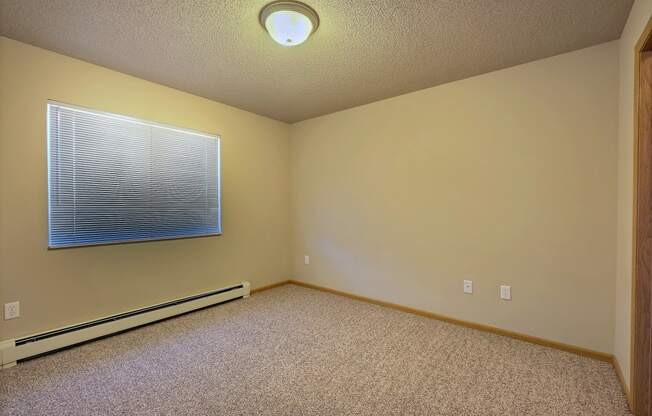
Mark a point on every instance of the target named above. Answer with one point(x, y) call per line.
point(14, 350)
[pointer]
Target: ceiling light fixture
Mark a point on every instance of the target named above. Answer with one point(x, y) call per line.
point(289, 23)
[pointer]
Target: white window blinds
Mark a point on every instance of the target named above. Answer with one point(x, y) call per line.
point(116, 179)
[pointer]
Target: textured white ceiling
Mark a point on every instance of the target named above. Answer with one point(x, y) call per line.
point(364, 50)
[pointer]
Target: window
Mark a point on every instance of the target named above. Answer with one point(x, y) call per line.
point(114, 179)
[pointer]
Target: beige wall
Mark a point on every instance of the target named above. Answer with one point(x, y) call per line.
point(638, 18)
point(505, 178)
point(59, 287)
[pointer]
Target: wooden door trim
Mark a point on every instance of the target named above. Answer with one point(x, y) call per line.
point(643, 45)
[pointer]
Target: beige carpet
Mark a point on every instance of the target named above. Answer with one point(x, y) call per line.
point(295, 351)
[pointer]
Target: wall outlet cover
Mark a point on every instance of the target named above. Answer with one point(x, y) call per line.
point(506, 292)
point(468, 286)
point(12, 310)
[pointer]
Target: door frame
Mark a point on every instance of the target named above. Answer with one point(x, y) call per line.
point(641, 329)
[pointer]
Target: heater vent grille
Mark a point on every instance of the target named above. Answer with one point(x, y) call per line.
point(12, 351)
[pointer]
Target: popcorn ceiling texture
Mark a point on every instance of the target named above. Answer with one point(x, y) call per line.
point(296, 351)
point(364, 51)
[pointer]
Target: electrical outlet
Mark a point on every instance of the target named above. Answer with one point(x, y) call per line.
point(468, 286)
point(306, 259)
point(12, 310)
point(506, 292)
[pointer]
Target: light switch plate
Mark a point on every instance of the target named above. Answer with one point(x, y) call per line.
point(306, 259)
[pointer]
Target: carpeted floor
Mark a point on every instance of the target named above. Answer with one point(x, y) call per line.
point(296, 351)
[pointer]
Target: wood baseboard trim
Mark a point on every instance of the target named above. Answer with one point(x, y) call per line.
point(621, 378)
point(272, 286)
point(602, 356)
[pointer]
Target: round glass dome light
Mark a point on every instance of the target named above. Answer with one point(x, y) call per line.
point(289, 23)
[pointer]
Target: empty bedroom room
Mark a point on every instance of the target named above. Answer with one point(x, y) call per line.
point(326, 207)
